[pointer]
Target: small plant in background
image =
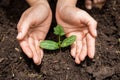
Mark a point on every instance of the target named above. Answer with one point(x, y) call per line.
point(52, 45)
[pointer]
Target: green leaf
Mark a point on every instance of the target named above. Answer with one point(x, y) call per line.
point(68, 41)
point(58, 30)
point(49, 45)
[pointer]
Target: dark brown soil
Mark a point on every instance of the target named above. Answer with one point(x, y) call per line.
point(14, 65)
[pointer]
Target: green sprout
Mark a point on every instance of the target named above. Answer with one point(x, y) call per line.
point(52, 45)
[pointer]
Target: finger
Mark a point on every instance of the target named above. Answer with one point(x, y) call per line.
point(26, 49)
point(73, 49)
point(99, 4)
point(22, 30)
point(23, 26)
point(42, 53)
point(37, 46)
point(33, 49)
point(99, 1)
point(90, 46)
point(39, 51)
point(88, 4)
point(79, 48)
point(73, 46)
point(92, 25)
point(83, 53)
point(95, 1)
point(89, 22)
point(77, 60)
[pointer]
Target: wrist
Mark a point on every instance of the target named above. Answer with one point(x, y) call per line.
point(64, 3)
point(35, 2)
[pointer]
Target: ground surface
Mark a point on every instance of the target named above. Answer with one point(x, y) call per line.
point(14, 65)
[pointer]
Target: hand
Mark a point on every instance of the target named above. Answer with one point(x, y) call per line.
point(94, 3)
point(78, 22)
point(32, 28)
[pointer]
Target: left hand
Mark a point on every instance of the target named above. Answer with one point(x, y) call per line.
point(78, 22)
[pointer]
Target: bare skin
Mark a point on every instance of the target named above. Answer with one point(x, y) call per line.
point(35, 23)
point(94, 3)
point(77, 22)
point(33, 27)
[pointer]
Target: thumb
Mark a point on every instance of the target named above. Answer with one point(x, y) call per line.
point(92, 25)
point(22, 29)
point(90, 22)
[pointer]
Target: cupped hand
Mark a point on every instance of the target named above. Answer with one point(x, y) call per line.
point(78, 22)
point(32, 28)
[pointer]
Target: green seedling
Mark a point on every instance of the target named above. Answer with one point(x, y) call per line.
point(52, 45)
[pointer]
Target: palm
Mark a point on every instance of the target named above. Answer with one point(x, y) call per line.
point(34, 24)
point(78, 23)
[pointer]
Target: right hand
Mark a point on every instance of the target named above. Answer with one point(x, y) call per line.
point(32, 28)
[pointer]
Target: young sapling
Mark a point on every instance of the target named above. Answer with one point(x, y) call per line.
point(52, 45)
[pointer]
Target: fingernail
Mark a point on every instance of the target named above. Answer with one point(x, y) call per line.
point(95, 33)
point(19, 35)
point(77, 61)
point(92, 56)
point(36, 61)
